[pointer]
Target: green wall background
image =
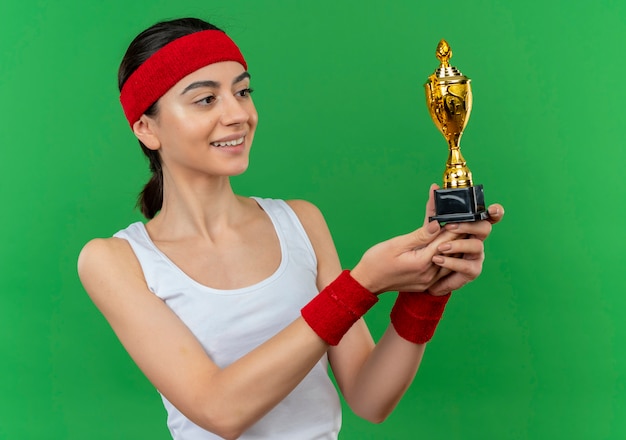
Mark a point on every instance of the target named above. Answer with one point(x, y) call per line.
point(531, 350)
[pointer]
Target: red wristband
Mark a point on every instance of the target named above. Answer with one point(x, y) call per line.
point(415, 315)
point(337, 307)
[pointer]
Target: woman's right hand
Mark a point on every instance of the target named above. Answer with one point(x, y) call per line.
point(405, 262)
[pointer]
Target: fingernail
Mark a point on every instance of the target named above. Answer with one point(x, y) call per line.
point(494, 211)
point(450, 226)
point(437, 259)
point(444, 247)
point(432, 227)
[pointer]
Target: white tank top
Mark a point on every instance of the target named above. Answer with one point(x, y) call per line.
point(230, 323)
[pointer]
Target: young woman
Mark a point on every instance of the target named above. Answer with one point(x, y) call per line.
point(232, 306)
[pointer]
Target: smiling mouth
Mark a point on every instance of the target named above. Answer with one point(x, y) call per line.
point(232, 143)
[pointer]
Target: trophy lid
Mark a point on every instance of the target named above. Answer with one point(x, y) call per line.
point(445, 70)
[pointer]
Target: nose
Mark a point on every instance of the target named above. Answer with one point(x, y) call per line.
point(233, 111)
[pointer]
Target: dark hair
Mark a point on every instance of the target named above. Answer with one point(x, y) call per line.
point(150, 199)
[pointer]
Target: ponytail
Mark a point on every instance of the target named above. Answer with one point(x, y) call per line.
point(150, 199)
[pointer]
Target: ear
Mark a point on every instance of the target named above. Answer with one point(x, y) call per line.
point(145, 131)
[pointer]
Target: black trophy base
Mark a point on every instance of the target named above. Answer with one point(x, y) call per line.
point(460, 205)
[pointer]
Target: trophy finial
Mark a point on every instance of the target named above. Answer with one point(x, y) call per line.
point(444, 53)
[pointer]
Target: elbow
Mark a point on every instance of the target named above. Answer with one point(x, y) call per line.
point(373, 410)
point(220, 412)
point(230, 435)
point(375, 418)
point(223, 420)
point(378, 420)
point(225, 427)
point(372, 415)
point(223, 430)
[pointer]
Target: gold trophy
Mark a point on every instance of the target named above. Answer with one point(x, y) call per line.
point(449, 101)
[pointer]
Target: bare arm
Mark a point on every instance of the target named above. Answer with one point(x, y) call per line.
point(374, 377)
point(225, 401)
point(375, 381)
point(357, 362)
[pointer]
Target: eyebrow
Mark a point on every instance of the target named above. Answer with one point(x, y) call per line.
point(213, 84)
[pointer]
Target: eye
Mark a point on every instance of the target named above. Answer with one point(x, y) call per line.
point(245, 93)
point(207, 100)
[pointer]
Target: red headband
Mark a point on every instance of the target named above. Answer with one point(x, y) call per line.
point(170, 64)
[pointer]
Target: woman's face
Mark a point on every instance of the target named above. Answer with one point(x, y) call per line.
point(206, 122)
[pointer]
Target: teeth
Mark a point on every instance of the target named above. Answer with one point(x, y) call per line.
point(229, 143)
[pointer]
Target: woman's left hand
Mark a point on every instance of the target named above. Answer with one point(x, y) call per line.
point(461, 260)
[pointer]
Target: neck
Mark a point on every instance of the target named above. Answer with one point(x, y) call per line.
point(199, 207)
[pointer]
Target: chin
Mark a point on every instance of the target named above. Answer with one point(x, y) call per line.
point(239, 170)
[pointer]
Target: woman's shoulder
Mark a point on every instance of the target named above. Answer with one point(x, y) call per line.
point(314, 224)
point(309, 215)
point(103, 248)
point(112, 249)
point(106, 258)
point(305, 209)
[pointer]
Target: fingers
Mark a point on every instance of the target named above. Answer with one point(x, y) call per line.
point(446, 258)
point(462, 270)
point(448, 284)
point(496, 212)
point(468, 247)
point(470, 264)
point(430, 205)
point(421, 280)
point(402, 261)
point(468, 268)
point(480, 229)
point(458, 249)
point(421, 237)
point(422, 272)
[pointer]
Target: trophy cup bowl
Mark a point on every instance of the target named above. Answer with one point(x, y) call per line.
point(449, 101)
